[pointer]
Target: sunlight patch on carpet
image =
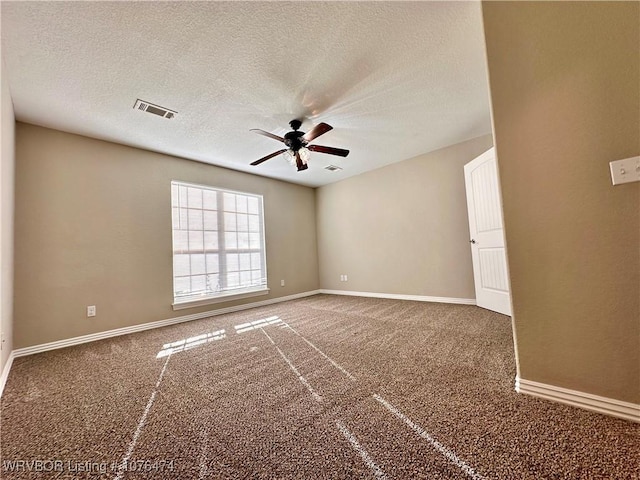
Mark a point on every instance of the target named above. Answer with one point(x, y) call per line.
point(245, 327)
point(189, 343)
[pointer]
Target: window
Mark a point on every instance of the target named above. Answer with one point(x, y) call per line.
point(218, 245)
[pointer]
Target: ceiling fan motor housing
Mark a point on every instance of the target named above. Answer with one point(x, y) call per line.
point(294, 140)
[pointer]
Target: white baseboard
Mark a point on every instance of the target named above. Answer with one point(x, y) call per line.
point(5, 372)
point(607, 406)
point(21, 352)
point(395, 296)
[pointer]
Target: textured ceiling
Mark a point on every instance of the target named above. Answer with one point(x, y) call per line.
point(394, 79)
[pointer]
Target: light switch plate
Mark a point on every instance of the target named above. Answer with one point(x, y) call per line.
point(625, 171)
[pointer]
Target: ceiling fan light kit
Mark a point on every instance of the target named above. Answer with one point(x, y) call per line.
point(290, 157)
point(298, 143)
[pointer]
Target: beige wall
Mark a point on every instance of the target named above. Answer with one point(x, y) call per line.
point(401, 229)
point(565, 87)
point(7, 140)
point(93, 227)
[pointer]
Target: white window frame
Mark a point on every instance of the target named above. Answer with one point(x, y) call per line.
point(180, 223)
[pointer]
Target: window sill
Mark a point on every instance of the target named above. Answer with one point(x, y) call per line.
point(225, 297)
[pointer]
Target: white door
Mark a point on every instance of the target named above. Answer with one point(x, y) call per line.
point(487, 233)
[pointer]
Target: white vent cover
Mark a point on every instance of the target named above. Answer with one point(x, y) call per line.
point(155, 109)
point(332, 168)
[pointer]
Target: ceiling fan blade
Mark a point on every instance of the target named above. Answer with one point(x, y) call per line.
point(330, 150)
point(267, 134)
point(264, 159)
point(316, 131)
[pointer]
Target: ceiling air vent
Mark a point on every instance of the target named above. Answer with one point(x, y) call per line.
point(332, 168)
point(155, 109)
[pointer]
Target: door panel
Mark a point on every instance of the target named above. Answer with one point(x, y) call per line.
point(493, 269)
point(487, 234)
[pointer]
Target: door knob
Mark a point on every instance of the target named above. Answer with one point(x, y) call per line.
point(472, 241)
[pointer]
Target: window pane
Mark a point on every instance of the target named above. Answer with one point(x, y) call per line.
point(195, 242)
point(233, 280)
point(194, 197)
point(212, 263)
point(241, 203)
point(254, 223)
point(256, 276)
point(175, 215)
point(253, 205)
point(256, 260)
point(254, 240)
point(211, 240)
point(198, 284)
point(198, 264)
point(181, 265)
point(242, 222)
point(232, 262)
point(184, 220)
point(245, 279)
point(245, 261)
point(213, 283)
point(174, 195)
point(209, 200)
point(243, 240)
point(195, 219)
point(181, 285)
point(229, 222)
point(182, 196)
point(230, 240)
point(229, 200)
point(180, 241)
point(210, 220)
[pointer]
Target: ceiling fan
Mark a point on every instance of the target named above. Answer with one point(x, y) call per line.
point(298, 144)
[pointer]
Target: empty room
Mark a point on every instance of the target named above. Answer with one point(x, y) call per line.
point(320, 240)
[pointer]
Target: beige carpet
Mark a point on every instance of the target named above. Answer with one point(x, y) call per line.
point(325, 387)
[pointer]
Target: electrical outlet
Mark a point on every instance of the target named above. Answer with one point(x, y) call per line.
point(346, 279)
point(282, 283)
point(91, 311)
